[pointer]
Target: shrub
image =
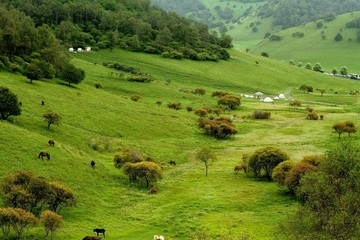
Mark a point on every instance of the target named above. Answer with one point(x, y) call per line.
point(98, 85)
point(314, 159)
point(295, 103)
point(263, 161)
point(220, 128)
point(135, 98)
point(306, 88)
point(291, 62)
point(261, 115)
point(293, 177)
point(201, 112)
point(143, 171)
point(189, 109)
point(280, 171)
point(264, 54)
point(129, 155)
point(198, 91)
point(229, 101)
point(176, 106)
point(312, 116)
point(219, 94)
point(140, 78)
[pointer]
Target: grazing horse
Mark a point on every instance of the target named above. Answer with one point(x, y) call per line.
point(172, 162)
point(92, 163)
point(51, 142)
point(44, 154)
point(90, 238)
point(99, 230)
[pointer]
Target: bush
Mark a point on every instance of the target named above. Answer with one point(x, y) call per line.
point(261, 115)
point(280, 171)
point(189, 109)
point(314, 159)
point(201, 112)
point(229, 101)
point(140, 78)
point(263, 161)
point(293, 177)
point(220, 128)
point(295, 103)
point(312, 116)
point(264, 54)
point(98, 85)
point(219, 94)
point(135, 98)
point(198, 91)
point(176, 106)
point(130, 155)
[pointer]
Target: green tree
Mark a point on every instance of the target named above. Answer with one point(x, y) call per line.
point(338, 37)
point(280, 171)
point(293, 177)
point(334, 71)
point(51, 118)
point(33, 72)
point(144, 171)
point(264, 160)
point(308, 66)
point(306, 88)
point(72, 74)
point(322, 91)
point(61, 196)
point(9, 104)
point(317, 67)
point(21, 220)
point(206, 156)
point(51, 221)
point(350, 127)
point(339, 128)
point(343, 70)
point(330, 206)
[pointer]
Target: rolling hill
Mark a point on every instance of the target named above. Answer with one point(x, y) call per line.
point(97, 123)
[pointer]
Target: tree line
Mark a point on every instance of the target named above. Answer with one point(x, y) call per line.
point(133, 25)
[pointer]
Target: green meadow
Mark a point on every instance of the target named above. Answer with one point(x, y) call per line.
point(313, 48)
point(98, 123)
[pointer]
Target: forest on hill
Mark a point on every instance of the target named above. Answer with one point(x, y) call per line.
point(42, 29)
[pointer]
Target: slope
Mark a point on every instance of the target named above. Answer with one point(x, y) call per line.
point(99, 122)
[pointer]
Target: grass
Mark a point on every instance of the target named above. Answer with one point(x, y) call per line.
point(312, 48)
point(99, 122)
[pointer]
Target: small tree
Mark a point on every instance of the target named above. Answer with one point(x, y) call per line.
point(264, 160)
point(343, 70)
point(350, 127)
point(51, 118)
point(292, 62)
point(21, 220)
point(339, 128)
point(145, 171)
point(308, 66)
point(338, 37)
point(334, 71)
point(306, 88)
point(293, 177)
point(61, 196)
point(317, 67)
point(206, 156)
point(72, 74)
point(9, 104)
point(33, 72)
point(51, 221)
point(322, 91)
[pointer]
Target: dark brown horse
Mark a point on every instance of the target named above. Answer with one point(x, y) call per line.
point(172, 162)
point(99, 230)
point(51, 142)
point(44, 154)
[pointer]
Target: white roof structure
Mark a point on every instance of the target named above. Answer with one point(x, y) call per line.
point(71, 49)
point(267, 99)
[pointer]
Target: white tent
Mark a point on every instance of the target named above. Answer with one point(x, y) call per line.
point(71, 49)
point(281, 96)
point(267, 99)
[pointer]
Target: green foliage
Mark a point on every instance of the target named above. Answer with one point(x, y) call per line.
point(264, 160)
point(9, 105)
point(314, 159)
point(308, 66)
point(338, 37)
point(306, 88)
point(280, 171)
point(60, 196)
point(217, 127)
point(144, 171)
point(52, 117)
point(51, 222)
point(18, 219)
point(72, 74)
point(329, 197)
point(230, 101)
point(206, 156)
point(261, 115)
point(33, 72)
point(343, 70)
point(294, 175)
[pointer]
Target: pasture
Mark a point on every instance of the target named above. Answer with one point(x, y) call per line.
point(97, 123)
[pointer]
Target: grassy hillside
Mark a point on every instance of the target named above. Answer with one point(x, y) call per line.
point(313, 48)
point(107, 120)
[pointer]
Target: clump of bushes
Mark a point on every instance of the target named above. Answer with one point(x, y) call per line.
point(175, 106)
point(199, 91)
point(217, 127)
point(229, 101)
point(140, 78)
point(219, 94)
point(261, 115)
point(312, 116)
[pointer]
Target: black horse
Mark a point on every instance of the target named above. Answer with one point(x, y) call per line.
point(44, 154)
point(99, 230)
point(172, 162)
point(51, 142)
